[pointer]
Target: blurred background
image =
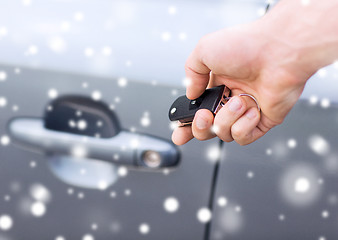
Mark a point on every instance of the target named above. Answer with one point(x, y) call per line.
point(146, 41)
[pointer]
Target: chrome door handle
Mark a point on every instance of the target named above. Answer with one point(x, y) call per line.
point(121, 147)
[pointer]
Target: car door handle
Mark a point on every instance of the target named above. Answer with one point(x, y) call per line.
point(124, 147)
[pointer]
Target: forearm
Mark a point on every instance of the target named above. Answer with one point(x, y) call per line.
point(302, 38)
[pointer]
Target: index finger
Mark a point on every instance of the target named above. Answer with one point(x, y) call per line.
point(197, 73)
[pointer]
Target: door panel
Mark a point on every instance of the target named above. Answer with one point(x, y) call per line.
point(42, 206)
point(283, 186)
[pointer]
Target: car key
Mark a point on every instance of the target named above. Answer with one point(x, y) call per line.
point(183, 109)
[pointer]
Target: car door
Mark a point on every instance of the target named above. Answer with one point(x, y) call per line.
point(284, 186)
point(46, 194)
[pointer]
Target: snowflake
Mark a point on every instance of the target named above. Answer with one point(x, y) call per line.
point(166, 36)
point(102, 185)
point(222, 201)
point(89, 52)
point(32, 164)
point(82, 124)
point(204, 215)
point(325, 103)
point(3, 31)
point(96, 95)
point(6, 222)
point(26, 2)
point(3, 101)
point(214, 153)
point(182, 36)
point(122, 82)
point(57, 44)
point(127, 192)
point(106, 51)
point(171, 204)
point(32, 50)
point(319, 145)
point(145, 120)
point(144, 228)
point(172, 10)
point(122, 171)
point(65, 26)
point(325, 214)
point(292, 143)
point(313, 100)
point(5, 140)
point(302, 185)
point(3, 76)
point(52, 93)
point(38, 209)
point(88, 237)
point(60, 238)
point(79, 16)
point(40, 193)
point(94, 226)
point(250, 174)
point(281, 217)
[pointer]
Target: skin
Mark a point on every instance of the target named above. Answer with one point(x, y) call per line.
point(271, 59)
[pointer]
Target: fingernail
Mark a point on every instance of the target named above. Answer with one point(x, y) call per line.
point(201, 123)
point(251, 114)
point(234, 105)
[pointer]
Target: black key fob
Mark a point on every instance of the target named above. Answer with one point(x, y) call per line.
point(184, 109)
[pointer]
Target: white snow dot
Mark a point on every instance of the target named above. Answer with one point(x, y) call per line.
point(60, 238)
point(17, 70)
point(268, 151)
point(78, 16)
point(325, 103)
point(7, 198)
point(38, 209)
point(3, 76)
point(102, 185)
point(182, 36)
point(6, 222)
point(122, 82)
point(172, 10)
point(319, 145)
point(325, 214)
point(305, 2)
point(145, 121)
point(89, 52)
point(88, 237)
point(15, 108)
point(32, 164)
point(96, 95)
point(52, 93)
point(204, 215)
point(171, 204)
point(129, 63)
point(166, 36)
point(321, 238)
point(57, 44)
point(113, 194)
point(82, 124)
point(292, 143)
point(32, 50)
point(26, 2)
point(302, 185)
point(322, 72)
point(214, 153)
point(70, 191)
point(94, 226)
point(3, 31)
point(127, 192)
point(40, 193)
point(250, 174)
point(313, 100)
point(281, 217)
point(261, 11)
point(65, 26)
point(122, 171)
point(3, 101)
point(71, 123)
point(238, 209)
point(5, 140)
point(144, 228)
point(106, 51)
point(85, 85)
point(80, 195)
point(222, 201)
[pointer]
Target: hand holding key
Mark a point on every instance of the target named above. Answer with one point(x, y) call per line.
point(268, 59)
